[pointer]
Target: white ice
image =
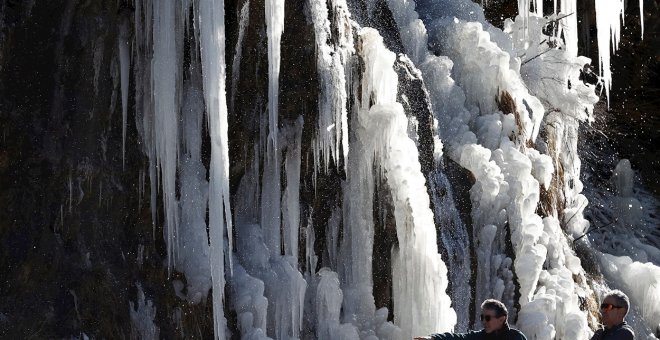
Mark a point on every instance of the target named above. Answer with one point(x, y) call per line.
point(212, 32)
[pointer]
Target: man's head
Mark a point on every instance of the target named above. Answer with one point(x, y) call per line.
point(493, 315)
point(614, 308)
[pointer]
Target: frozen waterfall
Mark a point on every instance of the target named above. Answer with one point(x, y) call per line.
point(347, 169)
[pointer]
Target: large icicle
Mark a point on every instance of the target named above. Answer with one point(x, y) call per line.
point(212, 32)
point(238, 53)
point(270, 209)
point(569, 25)
point(274, 29)
point(194, 251)
point(291, 195)
point(165, 71)
point(609, 14)
point(641, 15)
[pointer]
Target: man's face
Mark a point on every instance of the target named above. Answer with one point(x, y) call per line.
point(490, 321)
point(611, 314)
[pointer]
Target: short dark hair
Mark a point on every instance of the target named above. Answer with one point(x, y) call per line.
point(495, 305)
point(620, 297)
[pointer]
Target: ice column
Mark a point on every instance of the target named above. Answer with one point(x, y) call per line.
point(194, 251)
point(164, 78)
point(609, 14)
point(212, 34)
point(523, 11)
point(641, 15)
point(244, 21)
point(291, 196)
point(569, 26)
point(274, 29)
point(415, 40)
point(270, 208)
point(419, 275)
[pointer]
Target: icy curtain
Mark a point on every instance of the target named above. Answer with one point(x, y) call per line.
point(331, 58)
point(163, 99)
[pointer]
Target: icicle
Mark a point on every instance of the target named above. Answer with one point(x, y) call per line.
point(641, 15)
point(270, 201)
point(140, 188)
point(569, 25)
point(193, 259)
point(270, 215)
point(609, 14)
point(236, 69)
point(523, 11)
point(330, 59)
point(153, 181)
point(212, 34)
point(124, 65)
point(291, 197)
point(275, 27)
point(164, 78)
point(70, 192)
point(538, 7)
point(311, 260)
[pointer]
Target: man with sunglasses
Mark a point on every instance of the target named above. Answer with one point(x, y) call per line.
point(612, 312)
point(494, 319)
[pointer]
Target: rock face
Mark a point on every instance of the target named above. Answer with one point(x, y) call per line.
point(76, 230)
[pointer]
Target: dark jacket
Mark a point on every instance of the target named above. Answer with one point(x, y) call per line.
point(621, 331)
point(505, 333)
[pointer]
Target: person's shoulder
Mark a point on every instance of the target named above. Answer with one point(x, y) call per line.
point(598, 334)
point(625, 332)
point(471, 334)
point(516, 334)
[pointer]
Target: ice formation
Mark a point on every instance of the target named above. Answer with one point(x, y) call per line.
point(212, 32)
point(331, 58)
point(124, 64)
point(506, 107)
point(142, 316)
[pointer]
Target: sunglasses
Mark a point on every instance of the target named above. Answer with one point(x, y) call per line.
point(608, 307)
point(487, 318)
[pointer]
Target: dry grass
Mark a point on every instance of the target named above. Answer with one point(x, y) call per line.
point(507, 105)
